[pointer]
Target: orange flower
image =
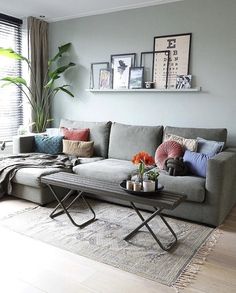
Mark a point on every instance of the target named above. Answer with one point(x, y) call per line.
point(143, 157)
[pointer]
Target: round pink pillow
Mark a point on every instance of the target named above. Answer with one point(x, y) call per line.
point(168, 149)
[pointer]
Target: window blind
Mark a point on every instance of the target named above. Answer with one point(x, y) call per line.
point(11, 110)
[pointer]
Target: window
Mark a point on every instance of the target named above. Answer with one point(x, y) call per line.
point(11, 110)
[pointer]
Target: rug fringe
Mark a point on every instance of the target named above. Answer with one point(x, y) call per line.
point(190, 272)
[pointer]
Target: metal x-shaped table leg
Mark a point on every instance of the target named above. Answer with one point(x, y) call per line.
point(65, 208)
point(145, 223)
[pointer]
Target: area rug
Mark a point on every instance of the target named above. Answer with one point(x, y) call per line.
point(103, 239)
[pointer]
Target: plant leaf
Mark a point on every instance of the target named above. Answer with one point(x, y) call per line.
point(56, 73)
point(14, 80)
point(62, 49)
point(66, 91)
point(10, 53)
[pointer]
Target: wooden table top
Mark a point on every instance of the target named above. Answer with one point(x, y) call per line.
point(162, 199)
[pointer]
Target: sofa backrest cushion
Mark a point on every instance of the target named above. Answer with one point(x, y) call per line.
point(127, 140)
point(99, 133)
point(217, 134)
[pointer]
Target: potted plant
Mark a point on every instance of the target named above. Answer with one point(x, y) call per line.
point(40, 102)
point(153, 176)
point(142, 159)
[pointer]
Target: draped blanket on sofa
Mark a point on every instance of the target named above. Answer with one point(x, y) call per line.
point(10, 165)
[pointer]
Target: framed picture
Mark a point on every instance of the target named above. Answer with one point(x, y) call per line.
point(183, 81)
point(136, 77)
point(105, 78)
point(95, 73)
point(161, 70)
point(179, 47)
point(120, 64)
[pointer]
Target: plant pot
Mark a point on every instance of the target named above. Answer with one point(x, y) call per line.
point(149, 186)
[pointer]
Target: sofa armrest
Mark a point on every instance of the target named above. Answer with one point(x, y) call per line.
point(231, 149)
point(221, 184)
point(23, 144)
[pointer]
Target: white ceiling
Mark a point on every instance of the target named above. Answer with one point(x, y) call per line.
point(55, 10)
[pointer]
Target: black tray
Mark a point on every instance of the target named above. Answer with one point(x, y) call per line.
point(123, 186)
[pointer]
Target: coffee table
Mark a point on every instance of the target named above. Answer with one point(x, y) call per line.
point(79, 186)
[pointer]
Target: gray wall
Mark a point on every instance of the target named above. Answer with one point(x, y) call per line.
point(213, 65)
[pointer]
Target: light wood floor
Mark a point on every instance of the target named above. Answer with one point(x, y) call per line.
point(30, 266)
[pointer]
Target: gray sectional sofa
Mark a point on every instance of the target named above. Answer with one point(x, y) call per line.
point(209, 199)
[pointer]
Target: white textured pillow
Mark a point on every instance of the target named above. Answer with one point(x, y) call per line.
point(187, 143)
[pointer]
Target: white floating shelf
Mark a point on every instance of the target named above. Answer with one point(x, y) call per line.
point(197, 89)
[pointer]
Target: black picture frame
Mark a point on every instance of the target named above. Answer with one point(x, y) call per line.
point(105, 78)
point(120, 64)
point(179, 46)
point(96, 64)
point(166, 64)
point(136, 77)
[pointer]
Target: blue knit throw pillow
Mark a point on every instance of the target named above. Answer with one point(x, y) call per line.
point(48, 144)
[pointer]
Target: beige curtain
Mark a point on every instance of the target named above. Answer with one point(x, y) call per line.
point(38, 52)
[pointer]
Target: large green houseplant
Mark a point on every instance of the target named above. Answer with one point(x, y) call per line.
point(40, 100)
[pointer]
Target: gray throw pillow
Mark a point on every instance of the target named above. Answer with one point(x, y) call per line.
point(209, 147)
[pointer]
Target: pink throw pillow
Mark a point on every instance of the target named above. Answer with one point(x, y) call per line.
point(75, 134)
point(168, 149)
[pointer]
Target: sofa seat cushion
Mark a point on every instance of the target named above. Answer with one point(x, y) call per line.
point(193, 187)
point(31, 176)
point(108, 170)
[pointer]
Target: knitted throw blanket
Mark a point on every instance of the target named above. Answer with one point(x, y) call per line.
point(10, 165)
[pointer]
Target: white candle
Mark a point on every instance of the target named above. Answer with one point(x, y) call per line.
point(137, 186)
point(129, 185)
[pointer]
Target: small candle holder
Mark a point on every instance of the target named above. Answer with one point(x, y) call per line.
point(129, 185)
point(137, 186)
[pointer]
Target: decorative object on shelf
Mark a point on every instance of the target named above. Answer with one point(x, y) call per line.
point(40, 103)
point(179, 47)
point(161, 69)
point(142, 159)
point(121, 63)
point(136, 77)
point(183, 81)
point(149, 84)
point(95, 73)
point(105, 78)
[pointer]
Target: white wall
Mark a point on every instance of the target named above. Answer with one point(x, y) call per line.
point(213, 65)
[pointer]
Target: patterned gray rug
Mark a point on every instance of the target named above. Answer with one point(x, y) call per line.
point(103, 240)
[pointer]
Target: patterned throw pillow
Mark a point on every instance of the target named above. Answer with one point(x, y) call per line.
point(75, 134)
point(187, 143)
point(78, 148)
point(48, 144)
